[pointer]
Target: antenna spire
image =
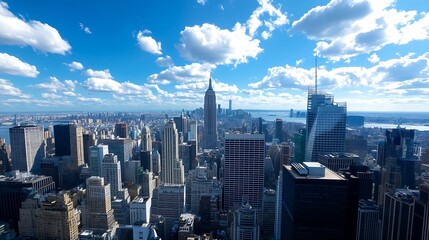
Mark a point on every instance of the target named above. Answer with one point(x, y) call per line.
point(210, 82)
point(315, 73)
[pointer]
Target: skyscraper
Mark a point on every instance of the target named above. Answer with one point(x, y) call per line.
point(314, 203)
point(244, 169)
point(182, 126)
point(146, 149)
point(69, 141)
point(121, 130)
point(245, 224)
point(210, 119)
point(27, 148)
point(368, 223)
point(111, 172)
point(172, 170)
point(96, 158)
point(279, 130)
point(326, 125)
point(99, 206)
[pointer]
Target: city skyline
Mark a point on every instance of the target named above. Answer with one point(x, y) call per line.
point(86, 56)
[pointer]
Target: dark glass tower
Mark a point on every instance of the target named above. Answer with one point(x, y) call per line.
point(210, 118)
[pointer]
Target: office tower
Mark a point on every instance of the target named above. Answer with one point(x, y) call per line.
point(245, 224)
point(279, 208)
point(399, 159)
point(326, 125)
point(172, 170)
point(55, 218)
point(198, 183)
point(182, 126)
point(279, 130)
point(193, 132)
point(88, 141)
point(148, 183)
point(185, 152)
point(337, 161)
point(69, 141)
point(121, 209)
point(244, 169)
point(15, 187)
point(156, 163)
point(4, 157)
point(358, 145)
point(268, 213)
point(210, 119)
point(111, 172)
point(121, 130)
point(140, 210)
point(368, 223)
point(96, 158)
point(169, 201)
point(286, 153)
point(398, 212)
point(27, 148)
point(230, 107)
point(187, 225)
point(132, 169)
point(299, 143)
point(421, 214)
point(314, 201)
point(146, 149)
point(99, 206)
point(122, 147)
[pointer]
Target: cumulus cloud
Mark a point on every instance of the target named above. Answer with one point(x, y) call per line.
point(275, 19)
point(166, 61)
point(8, 89)
point(374, 58)
point(73, 66)
point(56, 86)
point(85, 28)
point(147, 43)
point(405, 75)
point(40, 36)
point(194, 72)
point(14, 66)
point(347, 28)
point(92, 99)
point(210, 44)
point(202, 2)
point(98, 73)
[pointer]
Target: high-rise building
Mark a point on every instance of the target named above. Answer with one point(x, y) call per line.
point(398, 212)
point(182, 126)
point(279, 130)
point(111, 172)
point(121, 147)
point(399, 159)
point(314, 204)
point(55, 218)
point(337, 161)
point(368, 223)
point(146, 149)
point(4, 157)
point(121, 130)
point(99, 205)
point(268, 212)
point(244, 169)
point(172, 170)
point(245, 224)
point(187, 226)
point(210, 119)
point(15, 187)
point(88, 141)
point(27, 148)
point(69, 141)
point(96, 158)
point(140, 210)
point(421, 214)
point(326, 125)
point(230, 107)
point(156, 163)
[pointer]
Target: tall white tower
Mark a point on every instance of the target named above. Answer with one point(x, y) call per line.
point(172, 170)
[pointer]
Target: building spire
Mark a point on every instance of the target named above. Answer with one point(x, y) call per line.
point(315, 73)
point(210, 83)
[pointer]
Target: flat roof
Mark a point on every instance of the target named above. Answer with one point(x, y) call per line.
point(329, 174)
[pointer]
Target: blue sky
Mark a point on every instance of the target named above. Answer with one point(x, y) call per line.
point(147, 55)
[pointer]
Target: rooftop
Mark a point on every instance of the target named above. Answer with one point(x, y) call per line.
point(329, 174)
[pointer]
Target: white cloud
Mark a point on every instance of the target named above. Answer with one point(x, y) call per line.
point(148, 44)
point(51, 96)
point(56, 86)
point(8, 89)
point(91, 100)
point(210, 44)
point(14, 66)
point(110, 85)
point(275, 19)
point(347, 28)
point(41, 36)
point(194, 72)
point(202, 2)
point(85, 28)
point(299, 62)
point(98, 73)
point(166, 61)
point(73, 66)
point(406, 75)
point(374, 58)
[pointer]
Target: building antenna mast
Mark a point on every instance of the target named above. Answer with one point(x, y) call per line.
point(315, 73)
